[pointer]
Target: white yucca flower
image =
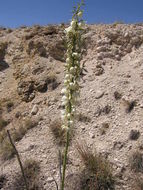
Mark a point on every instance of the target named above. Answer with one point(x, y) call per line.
point(73, 24)
point(71, 87)
point(75, 54)
point(69, 29)
point(64, 127)
point(64, 91)
point(80, 14)
point(70, 90)
point(67, 76)
point(68, 60)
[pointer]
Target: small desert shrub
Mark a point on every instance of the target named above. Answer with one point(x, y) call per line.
point(20, 131)
point(1, 109)
point(6, 150)
point(2, 180)
point(31, 170)
point(117, 95)
point(9, 105)
point(118, 22)
point(97, 174)
point(3, 123)
point(3, 135)
point(58, 132)
point(52, 81)
point(106, 109)
point(129, 105)
point(104, 128)
point(134, 135)
point(136, 161)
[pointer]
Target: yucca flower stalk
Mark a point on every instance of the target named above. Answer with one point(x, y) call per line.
point(71, 88)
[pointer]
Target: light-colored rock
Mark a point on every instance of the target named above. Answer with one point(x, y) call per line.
point(99, 94)
point(34, 110)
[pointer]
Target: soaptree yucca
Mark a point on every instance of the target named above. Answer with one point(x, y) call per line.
point(71, 87)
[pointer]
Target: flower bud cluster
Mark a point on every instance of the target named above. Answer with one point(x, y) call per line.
point(71, 88)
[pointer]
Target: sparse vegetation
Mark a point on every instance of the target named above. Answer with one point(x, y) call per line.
point(31, 170)
point(118, 22)
point(2, 135)
point(52, 81)
point(129, 105)
point(106, 109)
point(104, 128)
point(97, 174)
point(136, 161)
point(2, 180)
point(83, 118)
point(6, 150)
point(3, 123)
point(9, 105)
point(20, 131)
point(29, 123)
point(134, 135)
point(138, 183)
point(58, 132)
point(117, 95)
point(1, 109)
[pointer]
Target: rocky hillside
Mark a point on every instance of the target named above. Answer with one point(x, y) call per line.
point(110, 109)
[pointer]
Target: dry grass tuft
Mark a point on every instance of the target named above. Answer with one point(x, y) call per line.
point(97, 174)
point(6, 150)
point(136, 161)
point(83, 118)
point(3, 135)
point(3, 123)
point(52, 81)
point(58, 132)
point(29, 123)
point(20, 131)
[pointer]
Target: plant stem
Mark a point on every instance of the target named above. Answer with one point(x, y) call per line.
point(65, 159)
point(18, 158)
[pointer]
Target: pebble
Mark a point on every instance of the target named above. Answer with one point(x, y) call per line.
point(99, 94)
point(50, 179)
point(34, 110)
